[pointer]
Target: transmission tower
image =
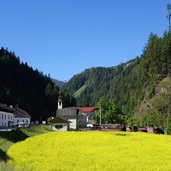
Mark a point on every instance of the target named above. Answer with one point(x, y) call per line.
point(169, 15)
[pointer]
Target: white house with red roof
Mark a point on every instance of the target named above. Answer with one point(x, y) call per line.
point(78, 116)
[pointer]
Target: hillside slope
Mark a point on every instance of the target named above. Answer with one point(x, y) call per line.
point(9, 138)
point(88, 86)
point(129, 84)
point(29, 89)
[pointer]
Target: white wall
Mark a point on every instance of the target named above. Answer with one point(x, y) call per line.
point(5, 117)
point(64, 126)
point(83, 121)
point(73, 123)
point(26, 121)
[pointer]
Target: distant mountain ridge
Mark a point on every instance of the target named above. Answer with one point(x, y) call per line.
point(58, 83)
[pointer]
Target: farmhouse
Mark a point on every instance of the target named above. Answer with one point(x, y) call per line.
point(6, 116)
point(74, 115)
point(13, 116)
point(60, 124)
point(21, 117)
point(78, 116)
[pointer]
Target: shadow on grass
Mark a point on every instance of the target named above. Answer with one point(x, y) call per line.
point(120, 134)
point(3, 156)
point(14, 136)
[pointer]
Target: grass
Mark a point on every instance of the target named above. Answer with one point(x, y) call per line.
point(84, 151)
point(79, 91)
point(9, 138)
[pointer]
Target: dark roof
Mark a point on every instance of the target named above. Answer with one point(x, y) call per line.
point(68, 111)
point(59, 120)
point(20, 113)
point(6, 108)
point(73, 111)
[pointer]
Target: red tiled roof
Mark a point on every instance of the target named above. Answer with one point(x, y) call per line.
point(87, 109)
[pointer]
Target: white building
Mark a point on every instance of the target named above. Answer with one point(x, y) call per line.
point(60, 124)
point(78, 116)
point(74, 115)
point(21, 118)
point(10, 116)
point(6, 116)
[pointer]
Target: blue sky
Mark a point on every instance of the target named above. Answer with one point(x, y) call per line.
point(64, 37)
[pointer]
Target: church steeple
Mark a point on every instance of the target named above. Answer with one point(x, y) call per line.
point(60, 100)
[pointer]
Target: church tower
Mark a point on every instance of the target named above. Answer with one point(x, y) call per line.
point(60, 100)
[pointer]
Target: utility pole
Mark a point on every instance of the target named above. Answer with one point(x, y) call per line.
point(100, 114)
point(169, 15)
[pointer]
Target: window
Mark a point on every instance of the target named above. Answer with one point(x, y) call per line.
point(2, 116)
point(8, 117)
point(58, 126)
point(5, 117)
point(27, 121)
point(23, 120)
point(17, 121)
point(11, 117)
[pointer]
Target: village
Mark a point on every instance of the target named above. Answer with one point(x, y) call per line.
point(66, 119)
point(85, 85)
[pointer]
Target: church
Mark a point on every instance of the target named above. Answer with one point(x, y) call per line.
point(78, 117)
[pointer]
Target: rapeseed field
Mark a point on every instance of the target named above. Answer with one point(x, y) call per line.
point(85, 151)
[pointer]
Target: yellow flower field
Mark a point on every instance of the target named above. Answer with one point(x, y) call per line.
point(84, 151)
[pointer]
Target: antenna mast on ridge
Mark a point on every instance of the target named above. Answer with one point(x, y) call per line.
point(169, 15)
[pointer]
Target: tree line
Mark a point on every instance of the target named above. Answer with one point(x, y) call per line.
point(132, 85)
point(30, 89)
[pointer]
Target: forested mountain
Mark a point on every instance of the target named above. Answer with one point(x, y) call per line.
point(139, 88)
point(29, 89)
point(88, 86)
point(131, 84)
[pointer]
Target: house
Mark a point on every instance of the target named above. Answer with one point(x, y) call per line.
point(74, 115)
point(13, 116)
point(21, 118)
point(78, 116)
point(6, 116)
point(60, 124)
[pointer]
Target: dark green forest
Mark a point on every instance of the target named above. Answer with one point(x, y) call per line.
point(29, 89)
point(139, 89)
point(132, 85)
